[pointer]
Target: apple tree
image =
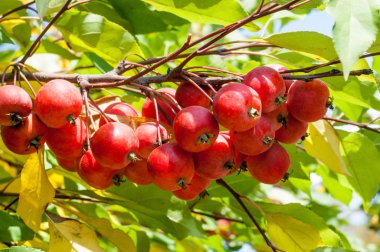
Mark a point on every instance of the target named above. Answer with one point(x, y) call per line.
point(178, 125)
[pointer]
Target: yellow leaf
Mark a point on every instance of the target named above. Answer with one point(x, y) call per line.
point(290, 234)
point(36, 192)
point(323, 144)
point(71, 236)
point(120, 239)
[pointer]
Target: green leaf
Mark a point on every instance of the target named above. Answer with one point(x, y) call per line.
point(334, 187)
point(4, 38)
point(202, 11)
point(6, 6)
point(20, 249)
point(323, 144)
point(55, 48)
point(330, 249)
point(103, 225)
point(99, 63)
point(290, 234)
point(12, 228)
point(135, 10)
point(17, 29)
point(355, 29)
point(307, 42)
point(362, 159)
point(42, 6)
point(93, 33)
point(305, 216)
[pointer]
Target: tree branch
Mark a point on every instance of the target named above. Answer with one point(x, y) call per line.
point(360, 125)
point(238, 197)
point(331, 73)
point(37, 41)
point(25, 6)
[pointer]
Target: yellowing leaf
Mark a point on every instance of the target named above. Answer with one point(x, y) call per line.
point(290, 234)
point(36, 192)
point(71, 236)
point(323, 144)
point(119, 238)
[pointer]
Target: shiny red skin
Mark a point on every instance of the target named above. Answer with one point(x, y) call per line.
point(71, 165)
point(68, 141)
point(271, 166)
point(190, 124)
point(292, 131)
point(307, 101)
point(56, 102)
point(188, 95)
point(281, 68)
point(170, 110)
point(147, 136)
point(252, 141)
point(137, 172)
point(18, 138)
point(119, 109)
point(217, 161)
point(94, 173)
point(13, 100)
point(114, 144)
point(170, 166)
point(269, 84)
point(197, 185)
point(232, 106)
point(278, 116)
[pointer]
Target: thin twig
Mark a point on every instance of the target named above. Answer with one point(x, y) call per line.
point(37, 41)
point(246, 210)
point(25, 6)
point(360, 125)
point(217, 217)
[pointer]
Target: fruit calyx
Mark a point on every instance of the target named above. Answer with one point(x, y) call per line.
point(279, 100)
point(71, 119)
point(16, 119)
point(132, 157)
point(267, 140)
point(252, 112)
point(205, 138)
point(182, 183)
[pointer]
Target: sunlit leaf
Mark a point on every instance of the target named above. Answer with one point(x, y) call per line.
point(89, 32)
point(21, 249)
point(354, 30)
point(17, 29)
point(290, 234)
point(71, 235)
point(202, 11)
point(307, 42)
point(119, 238)
point(305, 216)
point(362, 160)
point(36, 191)
point(45, 7)
point(335, 188)
point(323, 143)
point(12, 228)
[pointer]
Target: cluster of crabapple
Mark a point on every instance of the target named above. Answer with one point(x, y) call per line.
point(190, 140)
